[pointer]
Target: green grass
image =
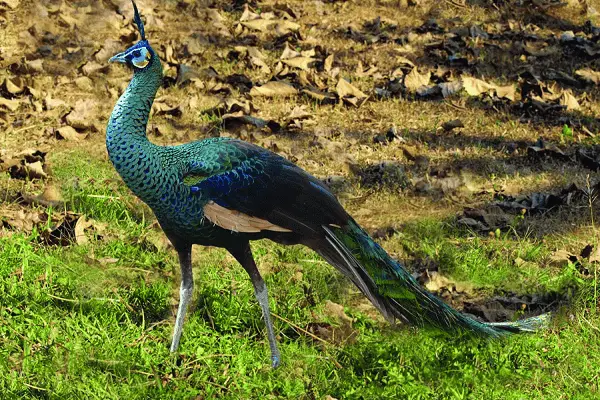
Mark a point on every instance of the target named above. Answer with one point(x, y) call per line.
point(74, 327)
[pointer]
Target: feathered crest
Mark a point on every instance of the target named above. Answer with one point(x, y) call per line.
point(138, 20)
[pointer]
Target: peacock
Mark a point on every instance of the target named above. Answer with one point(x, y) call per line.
point(225, 192)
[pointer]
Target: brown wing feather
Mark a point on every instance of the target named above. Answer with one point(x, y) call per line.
point(237, 221)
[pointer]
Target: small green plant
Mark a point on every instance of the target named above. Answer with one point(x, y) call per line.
point(566, 134)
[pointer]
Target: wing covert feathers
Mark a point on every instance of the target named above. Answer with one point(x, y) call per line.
point(237, 221)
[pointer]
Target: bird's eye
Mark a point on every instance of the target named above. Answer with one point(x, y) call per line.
point(141, 58)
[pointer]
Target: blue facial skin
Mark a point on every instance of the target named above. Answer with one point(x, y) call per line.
point(127, 56)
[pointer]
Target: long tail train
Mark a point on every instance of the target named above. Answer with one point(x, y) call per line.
point(396, 293)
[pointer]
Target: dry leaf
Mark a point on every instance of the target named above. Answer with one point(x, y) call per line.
point(35, 65)
point(567, 99)
point(414, 80)
point(51, 103)
point(320, 96)
point(589, 75)
point(20, 220)
point(450, 125)
point(11, 105)
point(12, 4)
point(299, 62)
point(83, 115)
point(80, 226)
point(35, 170)
point(450, 88)
point(109, 49)
point(299, 112)
point(507, 92)
point(92, 67)
point(50, 197)
point(345, 88)
point(84, 83)
point(69, 133)
point(475, 87)
point(259, 24)
point(273, 89)
point(328, 63)
point(14, 85)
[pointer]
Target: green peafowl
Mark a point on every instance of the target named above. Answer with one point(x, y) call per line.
point(225, 192)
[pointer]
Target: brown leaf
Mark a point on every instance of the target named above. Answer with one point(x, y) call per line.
point(14, 85)
point(259, 24)
point(450, 125)
point(345, 88)
point(12, 4)
point(567, 99)
point(69, 133)
point(475, 87)
point(320, 96)
point(21, 220)
point(79, 231)
point(239, 117)
point(84, 83)
point(300, 62)
point(450, 88)
point(589, 75)
point(507, 92)
point(299, 112)
point(26, 164)
point(328, 63)
point(50, 197)
point(283, 27)
point(35, 170)
point(273, 89)
point(248, 15)
point(83, 115)
point(166, 106)
point(109, 49)
point(11, 105)
point(35, 65)
point(414, 80)
point(336, 311)
point(92, 67)
point(563, 255)
point(54, 103)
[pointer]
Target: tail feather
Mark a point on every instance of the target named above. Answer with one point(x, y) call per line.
point(396, 293)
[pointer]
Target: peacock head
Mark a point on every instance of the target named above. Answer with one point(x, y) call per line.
point(140, 56)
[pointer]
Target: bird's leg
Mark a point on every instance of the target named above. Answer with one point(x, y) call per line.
point(243, 255)
point(185, 294)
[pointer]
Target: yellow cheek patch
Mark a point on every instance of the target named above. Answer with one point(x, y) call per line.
point(141, 64)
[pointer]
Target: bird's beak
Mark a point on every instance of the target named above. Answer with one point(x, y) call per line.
point(118, 58)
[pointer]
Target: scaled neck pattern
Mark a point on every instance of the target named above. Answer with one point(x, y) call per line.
point(130, 151)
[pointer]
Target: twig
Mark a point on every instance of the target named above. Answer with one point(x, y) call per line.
point(454, 3)
point(100, 196)
point(62, 298)
point(25, 128)
point(296, 327)
point(450, 103)
point(35, 387)
point(358, 198)
point(197, 360)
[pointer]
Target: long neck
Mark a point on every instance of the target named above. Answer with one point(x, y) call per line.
point(130, 116)
point(133, 155)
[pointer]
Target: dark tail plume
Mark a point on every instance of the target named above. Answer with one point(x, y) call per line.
point(396, 293)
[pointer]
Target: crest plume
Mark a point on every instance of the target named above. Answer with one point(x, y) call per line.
point(138, 20)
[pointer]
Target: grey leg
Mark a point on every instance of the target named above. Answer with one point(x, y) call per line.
point(185, 294)
point(243, 255)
